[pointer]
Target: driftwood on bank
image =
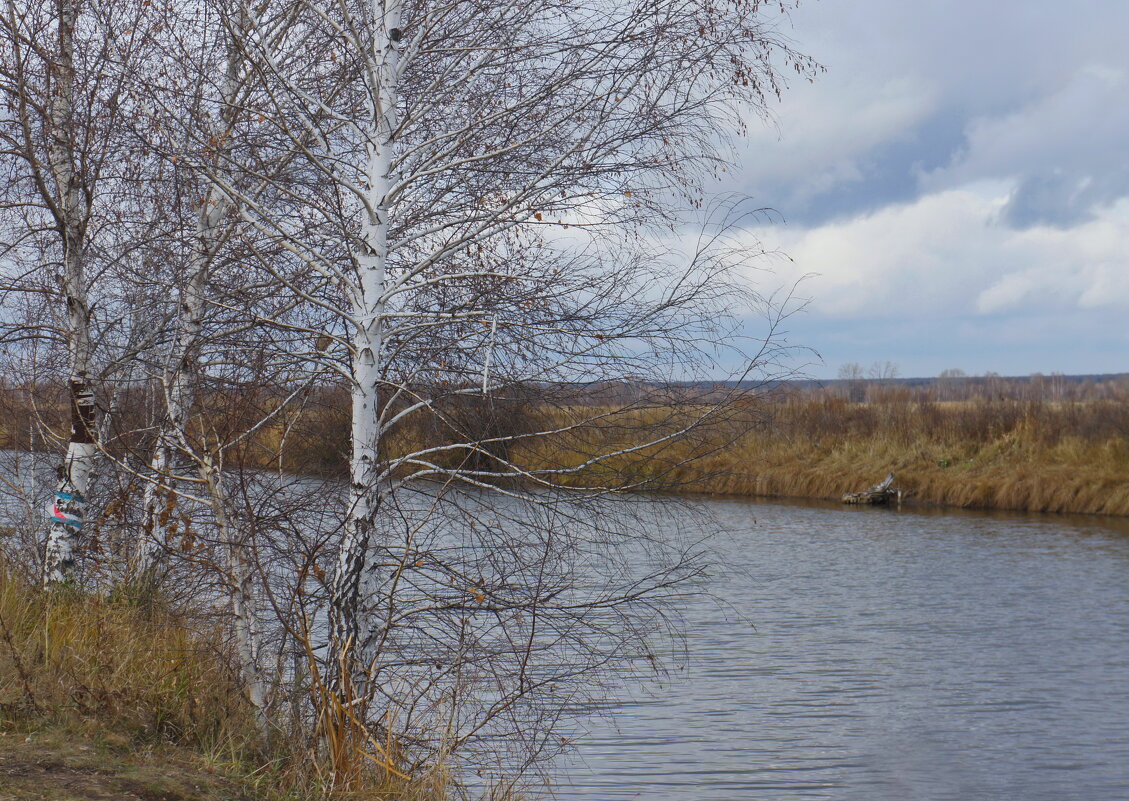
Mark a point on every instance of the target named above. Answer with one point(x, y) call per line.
point(879, 494)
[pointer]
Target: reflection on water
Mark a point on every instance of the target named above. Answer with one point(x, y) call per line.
point(887, 655)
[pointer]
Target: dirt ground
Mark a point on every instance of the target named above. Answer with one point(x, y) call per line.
point(46, 766)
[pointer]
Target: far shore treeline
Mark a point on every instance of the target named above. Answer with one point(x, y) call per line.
point(1051, 443)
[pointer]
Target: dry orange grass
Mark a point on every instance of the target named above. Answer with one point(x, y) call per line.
point(1062, 457)
point(146, 693)
point(1065, 455)
point(129, 672)
point(128, 665)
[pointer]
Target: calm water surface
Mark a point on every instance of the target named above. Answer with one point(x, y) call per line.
point(887, 654)
point(881, 655)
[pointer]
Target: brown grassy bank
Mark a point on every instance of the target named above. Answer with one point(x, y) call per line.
point(1029, 446)
point(1068, 456)
point(121, 698)
point(105, 698)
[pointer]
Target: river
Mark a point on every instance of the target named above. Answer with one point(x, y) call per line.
point(886, 654)
point(868, 654)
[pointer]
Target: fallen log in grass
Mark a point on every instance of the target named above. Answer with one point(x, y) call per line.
point(877, 495)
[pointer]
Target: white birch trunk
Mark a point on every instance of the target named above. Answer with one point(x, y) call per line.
point(68, 509)
point(356, 582)
point(241, 595)
point(177, 383)
point(179, 395)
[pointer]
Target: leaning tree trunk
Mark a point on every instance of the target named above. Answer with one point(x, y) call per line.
point(177, 383)
point(68, 511)
point(356, 583)
point(241, 596)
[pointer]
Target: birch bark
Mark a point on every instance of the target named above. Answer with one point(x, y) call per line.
point(240, 589)
point(177, 382)
point(180, 394)
point(68, 509)
point(356, 581)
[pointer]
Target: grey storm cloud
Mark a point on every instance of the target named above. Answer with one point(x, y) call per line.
point(1064, 198)
point(889, 172)
point(1029, 91)
point(1067, 151)
point(956, 186)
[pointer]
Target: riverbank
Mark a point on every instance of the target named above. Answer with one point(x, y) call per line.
point(1018, 453)
point(1023, 456)
point(1069, 477)
point(59, 764)
point(1032, 457)
point(121, 698)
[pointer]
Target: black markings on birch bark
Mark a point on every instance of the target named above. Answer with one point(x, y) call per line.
point(83, 411)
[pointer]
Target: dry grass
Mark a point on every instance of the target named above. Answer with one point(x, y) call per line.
point(1025, 447)
point(1005, 453)
point(133, 667)
point(154, 698)
point(117, 698)
point(61, 764)
point(1032, 456)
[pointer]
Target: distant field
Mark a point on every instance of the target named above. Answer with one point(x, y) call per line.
point(1050, 457)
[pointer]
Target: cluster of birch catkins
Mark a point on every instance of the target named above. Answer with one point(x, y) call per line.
point(222, 218)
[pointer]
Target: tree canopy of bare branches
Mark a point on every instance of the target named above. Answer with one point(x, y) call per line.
point(478, 230)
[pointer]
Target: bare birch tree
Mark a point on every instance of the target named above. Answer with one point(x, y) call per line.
point(192, 107)
point(61, 80)
point(478, 212)
point(469, 217)
point(200, 118)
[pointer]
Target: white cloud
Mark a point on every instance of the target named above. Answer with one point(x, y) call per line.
point(947, 254)
point(1008, 292)
point(822, 131)
point(1035, 89)
point(961, 178)
point(1079, 130)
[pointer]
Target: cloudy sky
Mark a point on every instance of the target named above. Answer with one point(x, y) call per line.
point(956, 186)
